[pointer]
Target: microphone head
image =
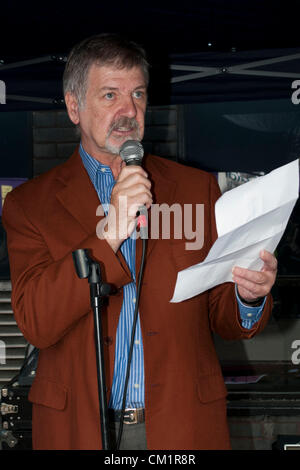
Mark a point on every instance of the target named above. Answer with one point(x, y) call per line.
point(132, 152)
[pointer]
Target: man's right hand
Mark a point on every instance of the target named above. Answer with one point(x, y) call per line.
point(131, 191)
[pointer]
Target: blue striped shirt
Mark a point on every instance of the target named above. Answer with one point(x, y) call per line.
point(103, 181)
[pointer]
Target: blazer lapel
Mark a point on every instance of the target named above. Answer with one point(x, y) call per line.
point(163, 190)
point(78, 195)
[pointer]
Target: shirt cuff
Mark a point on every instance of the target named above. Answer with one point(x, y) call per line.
point(249, 315)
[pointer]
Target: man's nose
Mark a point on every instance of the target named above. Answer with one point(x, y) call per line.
point(128, 107)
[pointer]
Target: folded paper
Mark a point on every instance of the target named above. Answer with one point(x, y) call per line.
point(249, 218)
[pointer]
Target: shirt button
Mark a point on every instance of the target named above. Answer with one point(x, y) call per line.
point(136, 386)
point(137, 341)
point(134, 300)
point(103, 170)
point(249, 315)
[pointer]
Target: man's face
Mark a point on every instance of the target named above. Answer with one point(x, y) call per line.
point(113, 110)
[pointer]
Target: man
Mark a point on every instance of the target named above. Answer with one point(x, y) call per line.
point(176, 391)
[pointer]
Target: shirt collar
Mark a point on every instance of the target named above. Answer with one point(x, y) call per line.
point(92, 166)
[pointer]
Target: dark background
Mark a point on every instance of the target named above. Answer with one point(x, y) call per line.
point(33, 29)
point(209, 32)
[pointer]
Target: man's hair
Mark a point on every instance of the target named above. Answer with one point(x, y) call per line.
point(101, 49)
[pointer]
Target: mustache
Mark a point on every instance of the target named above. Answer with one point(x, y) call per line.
point(124, 122)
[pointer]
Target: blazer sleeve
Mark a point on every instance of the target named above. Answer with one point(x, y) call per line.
point(223, 306)
point(48, 298)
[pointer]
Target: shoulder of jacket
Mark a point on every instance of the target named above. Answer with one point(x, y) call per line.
point(177, 170)
point(36, 191)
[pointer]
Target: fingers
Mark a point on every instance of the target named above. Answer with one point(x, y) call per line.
point(258, 277)
point(249, 276)
point(270, 262)
point(131, 191)
point(250, 287)
point(133, 183)
point(254, 284)
point(131, 172)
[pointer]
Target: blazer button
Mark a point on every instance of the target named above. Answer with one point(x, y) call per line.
point(108, 341)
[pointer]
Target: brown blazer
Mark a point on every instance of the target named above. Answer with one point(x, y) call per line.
point(54, 214)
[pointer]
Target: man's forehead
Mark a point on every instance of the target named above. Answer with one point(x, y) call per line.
point(108, 75)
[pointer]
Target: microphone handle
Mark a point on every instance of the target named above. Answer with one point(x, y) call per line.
point(134, 161)
point(143, 214)
point(143, 222)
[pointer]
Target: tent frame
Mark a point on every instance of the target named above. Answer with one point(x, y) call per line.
point(241, 69)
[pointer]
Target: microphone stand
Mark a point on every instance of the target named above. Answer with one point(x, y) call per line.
point(86, 267)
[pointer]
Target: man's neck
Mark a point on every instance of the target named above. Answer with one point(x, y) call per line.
point(115, 162)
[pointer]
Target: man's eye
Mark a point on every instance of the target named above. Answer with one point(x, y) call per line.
point(109, 96)
point(138, 94)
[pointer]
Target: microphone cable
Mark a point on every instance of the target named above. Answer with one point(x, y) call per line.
point(135, 317)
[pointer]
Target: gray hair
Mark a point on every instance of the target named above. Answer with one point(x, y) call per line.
point(101, 49)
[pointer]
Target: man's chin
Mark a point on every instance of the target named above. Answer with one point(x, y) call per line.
point(116, 144)
point(112, 149)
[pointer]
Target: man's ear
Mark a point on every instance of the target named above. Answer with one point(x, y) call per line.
point(72, 107)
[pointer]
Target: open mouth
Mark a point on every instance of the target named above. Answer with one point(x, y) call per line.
point(120, 134)
point(123, 130)
point(124, 126)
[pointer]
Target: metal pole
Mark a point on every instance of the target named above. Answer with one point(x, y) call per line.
point(88, 268)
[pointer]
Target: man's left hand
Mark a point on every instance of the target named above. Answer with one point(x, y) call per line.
point(253, 285)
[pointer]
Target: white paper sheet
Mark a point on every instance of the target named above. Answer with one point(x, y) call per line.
point(249, 218)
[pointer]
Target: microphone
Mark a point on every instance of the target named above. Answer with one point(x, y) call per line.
point(132, 153)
